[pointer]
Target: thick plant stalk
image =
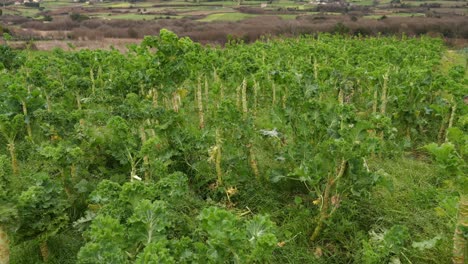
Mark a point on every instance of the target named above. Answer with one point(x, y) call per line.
point(255, 98)
point(14, 161)
point(341, 172)
point(460, 245)
point(151, 131)
point(142, 90)
point(217, 81)
point(324, 211)
point(206, 97)
point(315, 69)
point(219, 172)
point(73, 171)
point(341, 97)
point(284, 97)
point(375, 102)
point(244, 98)
point(273, 89)
point(155, 97)
point(215, 76)
point(82, 122)
point(384, 98)
point(349, 97)
point(450, 124)
point(238, 97)
point(201, 115)
point(176, 102)
point(145, 157)
point(99, 76)
point(440, 136)
point(341, 102)
point(166, 102)
point(221, 93)
point(133, 174)
point(44, 248)
point(64, 182)
point(253, 162)
point(78, 101)
point(133, 164)
point(49, 103)
point(93, 82)
point(28, 124)
point(408, 133)
point(4, 247)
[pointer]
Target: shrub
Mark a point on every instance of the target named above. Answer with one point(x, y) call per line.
point(33, 4)
point(78, 17)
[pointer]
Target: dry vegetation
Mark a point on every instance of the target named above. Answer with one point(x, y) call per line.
point(248, 30)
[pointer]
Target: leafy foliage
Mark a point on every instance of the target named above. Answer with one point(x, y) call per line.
point(42, 209)
point(179, 153)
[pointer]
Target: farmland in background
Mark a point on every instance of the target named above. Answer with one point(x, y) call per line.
point(216, 21)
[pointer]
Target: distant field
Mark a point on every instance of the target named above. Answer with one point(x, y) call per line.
point(54, 4)
point(226, 17)
point(132, 16)
point(443, 3)
point(22, 11)
point(362, 2)
point(213, 11)
point(116, 20)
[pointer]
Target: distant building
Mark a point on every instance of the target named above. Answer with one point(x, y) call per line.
point(324, 2)
point(21, 2)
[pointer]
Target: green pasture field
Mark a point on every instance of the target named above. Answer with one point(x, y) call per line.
point(22, 11)
point(134, 16)
point(226, 17)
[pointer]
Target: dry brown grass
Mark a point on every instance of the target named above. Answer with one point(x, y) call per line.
point(453, 27)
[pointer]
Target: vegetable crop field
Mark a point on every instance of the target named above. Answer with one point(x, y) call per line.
point(314, 149)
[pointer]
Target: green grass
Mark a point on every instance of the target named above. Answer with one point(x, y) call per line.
point(54, 4)
point(453, 58)
point(29, 12)
point(384, 2)
point(226, 17)
point(131, 16)
point(442, 2)
point(417, 196)
point(363, 2)
point(410, 193)
point(10, 12)
point(406, 15)
point(22, 11)
point(119, 5)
